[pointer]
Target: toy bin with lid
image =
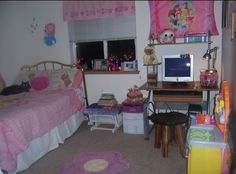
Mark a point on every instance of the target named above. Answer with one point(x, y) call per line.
point(133, 119)
point(205, 150)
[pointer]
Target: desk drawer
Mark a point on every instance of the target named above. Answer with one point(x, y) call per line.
point(177, 96)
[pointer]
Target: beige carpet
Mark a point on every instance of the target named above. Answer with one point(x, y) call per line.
point(140, 154)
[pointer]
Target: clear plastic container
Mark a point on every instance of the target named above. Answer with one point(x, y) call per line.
point(195, 37)
point(210, 130)
point(209, 78)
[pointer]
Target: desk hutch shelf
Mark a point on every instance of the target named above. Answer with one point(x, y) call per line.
point(179, 43)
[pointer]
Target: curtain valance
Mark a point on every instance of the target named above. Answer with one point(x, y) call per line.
point(86, 10)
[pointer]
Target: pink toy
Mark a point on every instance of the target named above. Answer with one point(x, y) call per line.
point(39, 83)
point(134, 96)
point(207, 119)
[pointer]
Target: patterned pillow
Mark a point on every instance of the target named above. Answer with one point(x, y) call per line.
point(24, 76)
point(60, 79)
point(29, 76)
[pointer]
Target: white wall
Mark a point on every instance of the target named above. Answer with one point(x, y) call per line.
point(19, 46)
point(29, 47)
point(121, 86)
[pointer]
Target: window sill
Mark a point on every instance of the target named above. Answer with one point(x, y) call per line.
point(109, 72)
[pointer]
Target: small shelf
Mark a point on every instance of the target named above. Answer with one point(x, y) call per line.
point(109, 72)
point(179, 43)
point(152, 64)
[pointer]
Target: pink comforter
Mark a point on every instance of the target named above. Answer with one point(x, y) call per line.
point(26, 116)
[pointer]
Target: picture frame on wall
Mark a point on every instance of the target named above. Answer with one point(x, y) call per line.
point(233, 25)
point(100, 64)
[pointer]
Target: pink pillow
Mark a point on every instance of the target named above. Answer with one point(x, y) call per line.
point(39, 83)
point(78, 78)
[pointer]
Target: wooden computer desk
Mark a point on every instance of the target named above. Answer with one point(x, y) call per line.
point(167, 92)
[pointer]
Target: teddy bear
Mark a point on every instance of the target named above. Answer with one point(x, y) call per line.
point(149, 58)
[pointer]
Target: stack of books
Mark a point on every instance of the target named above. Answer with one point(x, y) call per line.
point(107, 99)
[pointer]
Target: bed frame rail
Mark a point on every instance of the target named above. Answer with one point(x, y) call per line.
point(44, 65)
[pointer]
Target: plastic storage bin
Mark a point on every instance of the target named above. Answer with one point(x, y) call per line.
point(205, 150)
point(133, 123)
point(195, 37)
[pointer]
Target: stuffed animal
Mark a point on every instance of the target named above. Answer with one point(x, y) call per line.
point(66, 79)
point(134, 96)
point(149, 57)
point(167, 36)
point(16, 89)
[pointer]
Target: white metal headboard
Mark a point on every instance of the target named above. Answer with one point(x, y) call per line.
point(53, 65)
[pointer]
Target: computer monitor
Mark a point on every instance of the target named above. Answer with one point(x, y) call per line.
point(177, 68)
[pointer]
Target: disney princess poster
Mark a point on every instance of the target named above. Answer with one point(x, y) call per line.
point(182, 17)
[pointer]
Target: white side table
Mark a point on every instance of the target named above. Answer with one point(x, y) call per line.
point(99, 116)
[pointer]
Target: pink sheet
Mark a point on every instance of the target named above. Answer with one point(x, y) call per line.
point(26, 116)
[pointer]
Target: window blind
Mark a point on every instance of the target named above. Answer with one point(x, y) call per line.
point(102, 29)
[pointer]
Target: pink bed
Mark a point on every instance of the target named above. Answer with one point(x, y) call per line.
point(30, 116)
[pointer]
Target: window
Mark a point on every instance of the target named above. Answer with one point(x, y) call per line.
point(88, 51)
point(103, 38)
point(115, 51)
point(123, 49)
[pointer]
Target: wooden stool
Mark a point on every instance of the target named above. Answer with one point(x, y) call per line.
point(163, 122)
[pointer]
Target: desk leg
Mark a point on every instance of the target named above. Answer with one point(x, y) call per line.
point(145, 117)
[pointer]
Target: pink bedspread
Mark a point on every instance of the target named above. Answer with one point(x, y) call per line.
point(26, 116)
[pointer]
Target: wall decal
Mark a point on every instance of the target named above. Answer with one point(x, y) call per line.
point(49, 38)
point(34, 25)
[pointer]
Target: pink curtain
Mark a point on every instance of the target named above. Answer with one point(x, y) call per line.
point(85, 10)
point(182, 17)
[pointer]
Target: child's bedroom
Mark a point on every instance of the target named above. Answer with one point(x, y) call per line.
point(118, 87)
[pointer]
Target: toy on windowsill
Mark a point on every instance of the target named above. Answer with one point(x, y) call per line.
point(149, 58)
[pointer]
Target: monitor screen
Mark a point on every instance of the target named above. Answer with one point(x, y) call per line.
point(177, 68)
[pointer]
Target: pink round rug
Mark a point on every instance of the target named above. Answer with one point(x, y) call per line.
point(110, 162)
